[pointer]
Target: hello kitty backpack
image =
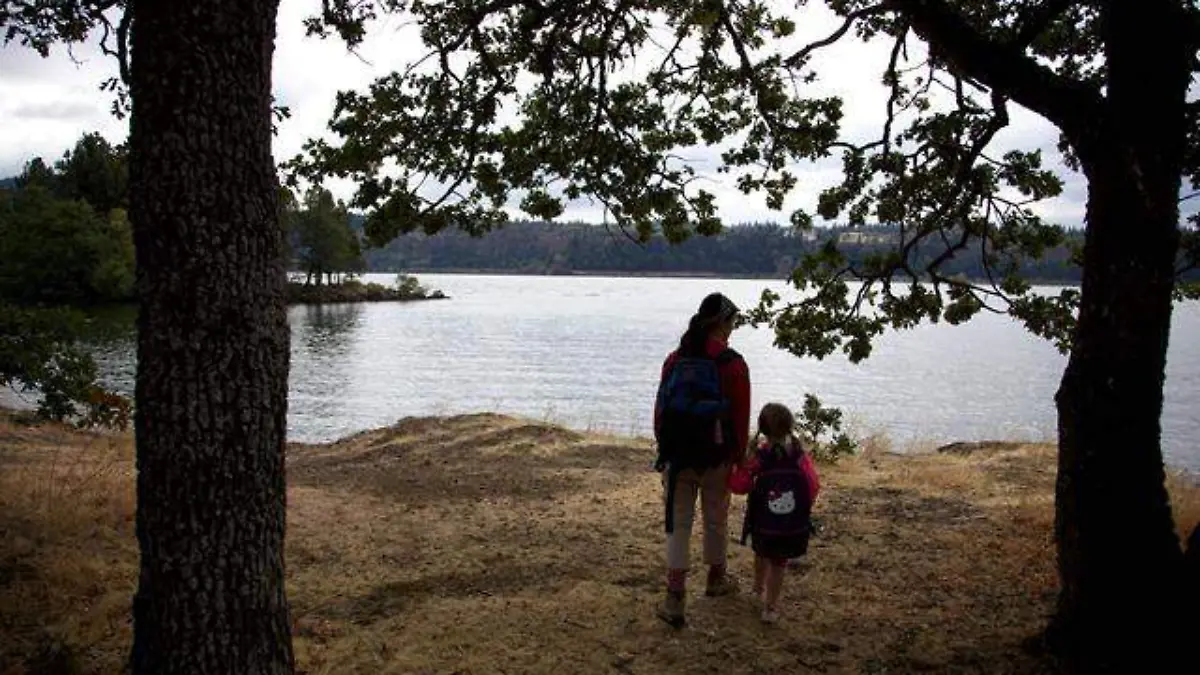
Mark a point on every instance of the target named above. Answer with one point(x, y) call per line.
point(779, 507)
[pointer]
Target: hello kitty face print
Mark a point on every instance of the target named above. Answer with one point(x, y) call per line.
point(782, 504)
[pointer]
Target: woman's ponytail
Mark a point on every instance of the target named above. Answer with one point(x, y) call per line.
point(694, 338)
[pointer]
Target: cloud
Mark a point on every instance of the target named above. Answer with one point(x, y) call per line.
point(46, 104)
point(308, 72)
point(82, 62)
point(56, 111)
point(44, 119)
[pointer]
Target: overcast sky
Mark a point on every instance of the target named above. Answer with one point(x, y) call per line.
point(46, 104)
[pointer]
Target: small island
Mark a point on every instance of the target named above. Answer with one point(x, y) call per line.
point(405, 289)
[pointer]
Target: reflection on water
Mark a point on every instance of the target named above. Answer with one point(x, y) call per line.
point(587, 351)
point(325, 330)
point(320, 335)
point(323, 351)
point(112, 339)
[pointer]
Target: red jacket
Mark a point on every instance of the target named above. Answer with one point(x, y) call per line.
point(735, 385)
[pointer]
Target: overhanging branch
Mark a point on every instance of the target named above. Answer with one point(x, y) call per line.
point(1065, 102)
point(121, 50)
point(802, 55)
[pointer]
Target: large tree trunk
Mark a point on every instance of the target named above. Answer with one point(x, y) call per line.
point(211, 390)
point(1191, 564)
point(1118, 554)
point(1119, 558)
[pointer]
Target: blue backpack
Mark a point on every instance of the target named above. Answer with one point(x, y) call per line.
point(694, 429)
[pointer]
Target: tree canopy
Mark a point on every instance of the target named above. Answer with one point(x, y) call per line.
point(608, 93)
point(94, 172)
point(320, 239)
point(65, 242)
point(64, 232)
point(58, 251)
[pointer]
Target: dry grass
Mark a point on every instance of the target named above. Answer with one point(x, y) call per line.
point(68, 557)
point(484, 544)
point(1185, 501)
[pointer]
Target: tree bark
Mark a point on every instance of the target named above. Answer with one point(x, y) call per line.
point(1191, 564)
point(1120, 563)
point(213, 339)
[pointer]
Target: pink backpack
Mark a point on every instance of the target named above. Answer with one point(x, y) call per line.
point(741, 479)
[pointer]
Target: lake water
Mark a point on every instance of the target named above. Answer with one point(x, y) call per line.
point(586, 352)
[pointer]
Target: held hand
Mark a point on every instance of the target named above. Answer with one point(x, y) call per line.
point(741, 480)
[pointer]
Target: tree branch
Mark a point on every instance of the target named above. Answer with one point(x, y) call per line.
point(1036, 19)
point(893, 78)
point(1066, 102)
point(801, 56)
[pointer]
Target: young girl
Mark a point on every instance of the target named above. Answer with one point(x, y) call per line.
point(782, 485)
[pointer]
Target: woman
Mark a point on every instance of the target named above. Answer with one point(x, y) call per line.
point(694, 455)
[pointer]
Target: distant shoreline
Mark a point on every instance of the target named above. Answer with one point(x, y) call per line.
point(646, 274)
point(482, 271)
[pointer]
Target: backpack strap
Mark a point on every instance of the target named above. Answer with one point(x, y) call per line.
point(671, 481)
point(727, 355)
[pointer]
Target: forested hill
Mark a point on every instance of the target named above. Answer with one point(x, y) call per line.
point(755, 249)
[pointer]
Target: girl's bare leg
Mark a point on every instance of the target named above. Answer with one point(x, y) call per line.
point(760, 574)
point(774, 584)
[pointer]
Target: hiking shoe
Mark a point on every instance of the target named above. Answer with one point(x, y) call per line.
point(721, 586)
point(770, 616)
point(672, 609)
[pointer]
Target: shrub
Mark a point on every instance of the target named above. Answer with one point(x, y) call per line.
point(821, 428)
